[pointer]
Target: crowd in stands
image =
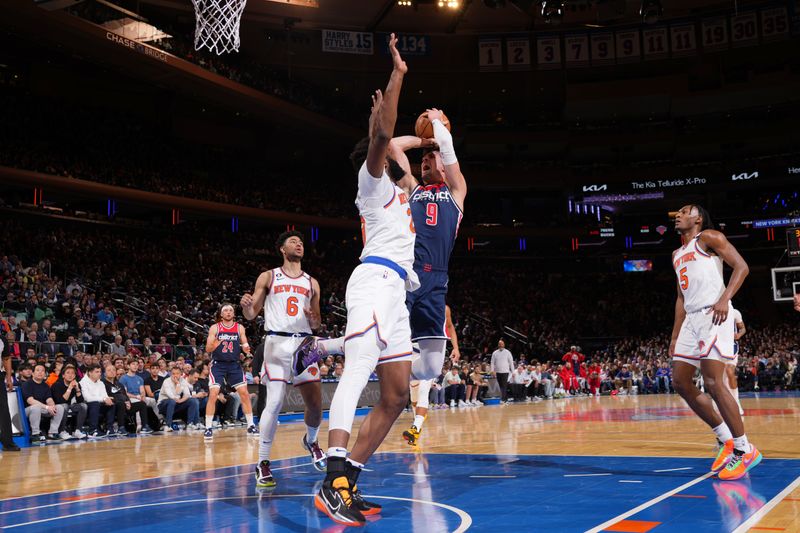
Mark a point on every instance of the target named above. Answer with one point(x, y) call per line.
point(139, 303)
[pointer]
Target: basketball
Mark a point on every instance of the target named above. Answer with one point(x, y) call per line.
point(424, 129)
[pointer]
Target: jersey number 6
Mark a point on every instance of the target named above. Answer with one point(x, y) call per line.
point(291, 306)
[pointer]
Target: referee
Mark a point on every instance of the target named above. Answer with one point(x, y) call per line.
point(6, 433)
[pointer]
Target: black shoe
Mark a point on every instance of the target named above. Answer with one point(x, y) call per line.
point(366, 508)
point(53, 437)
point(335, 500)
point(11, 447)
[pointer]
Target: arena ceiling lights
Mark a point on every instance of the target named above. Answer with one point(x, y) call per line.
point(451, 4)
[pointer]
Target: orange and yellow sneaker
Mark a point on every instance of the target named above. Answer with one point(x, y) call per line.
point(723, 456)
point(740, 465)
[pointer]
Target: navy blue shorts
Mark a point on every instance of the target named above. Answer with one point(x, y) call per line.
point(229, 372)
point(426, 306)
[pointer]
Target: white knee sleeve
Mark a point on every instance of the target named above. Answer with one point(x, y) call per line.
point(431, 359)
point(360, 362)
point(423, 393)
point(268, 422)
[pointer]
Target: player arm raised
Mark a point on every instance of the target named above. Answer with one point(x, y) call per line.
point(452, 170)
point(384, 113)
point(455, 354)
point(252, 304)
point(312, 311)
point(212, 341)
point(243, 337)
point(398, 147)
point(717, 242)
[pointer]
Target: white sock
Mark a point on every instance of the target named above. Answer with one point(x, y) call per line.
point(312, 434)
point(723, 433)
point(418, 420)
point(209, 421)
point(335, 451)
point(332, 346)
point(249, 418)
point(741, 444)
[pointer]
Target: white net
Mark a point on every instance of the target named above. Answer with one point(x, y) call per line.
point(217, 25)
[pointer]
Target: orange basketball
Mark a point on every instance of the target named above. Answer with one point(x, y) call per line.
point(424, 129)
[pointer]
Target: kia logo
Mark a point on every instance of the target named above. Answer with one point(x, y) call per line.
point(595, 188)
point(744, 176)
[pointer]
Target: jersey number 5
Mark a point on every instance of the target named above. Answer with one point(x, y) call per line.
point(291, 306)
point(684, 280)
point(431, 214)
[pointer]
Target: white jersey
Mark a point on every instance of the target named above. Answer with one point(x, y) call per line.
point(699, 276)
point(386, 225)
point(287, 297)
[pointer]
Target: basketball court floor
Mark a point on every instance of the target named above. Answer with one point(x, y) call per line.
point(627, 464)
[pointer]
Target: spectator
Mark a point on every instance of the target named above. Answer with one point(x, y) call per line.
point(454, 388)
point(502, 363)
point(134, 387)
point(176, 398)
point(39, 403)
point(199, 390)
point(55, 373)
point(624, 380)
point(519, 383)
point(67, 391)
point(152, 386)
point(97, 400)
point(117, 347)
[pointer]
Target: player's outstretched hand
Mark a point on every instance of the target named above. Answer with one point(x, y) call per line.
point(797, 302)
point(397, 61)
point(247, 300)
point(455, 355)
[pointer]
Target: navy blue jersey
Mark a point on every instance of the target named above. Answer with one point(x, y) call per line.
point(231, 345)
point(436, 218)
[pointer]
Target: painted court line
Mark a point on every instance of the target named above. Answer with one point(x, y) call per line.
point(149, 489)
point(466, 519)
point(409, 474)
point(495, 477)
point(649, 503)
point(674, 469)
point(586, 475)
point(630, 481)
point(761, 513)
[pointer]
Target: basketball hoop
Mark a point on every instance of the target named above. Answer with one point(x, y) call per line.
point(217, 25)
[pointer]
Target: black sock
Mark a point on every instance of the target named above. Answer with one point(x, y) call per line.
point(336, 468)
point(352, 472)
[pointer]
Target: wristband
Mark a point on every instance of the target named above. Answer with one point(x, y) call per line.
point(246, 345)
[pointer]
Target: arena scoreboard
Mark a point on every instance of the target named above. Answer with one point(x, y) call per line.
point(793, 244)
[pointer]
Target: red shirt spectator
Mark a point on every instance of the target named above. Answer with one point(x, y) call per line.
point(573, 357)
